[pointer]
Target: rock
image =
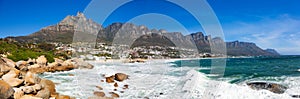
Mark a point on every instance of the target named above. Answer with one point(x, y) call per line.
point(64, 68)
point(110, 79)
point(31, 78)
point(42, 61)
point(30, 97)
point(31, 61)
point(273, 87)
point(44, 93)
point(18, 93)
point(58, 60)
point(6, 90)
point(116, 84)
point(114, 95)
point(38, 70)
point(33, 66)
point(81, 64)
point(99, 94)
point(125, 87)
point(50, 85)
point(27, 89)
point(9, 62)
point(54, 64)
point(13, 73)
point(62, 97)
point(4, 68)
point(121, 76)
point(14, 81)
point(71, 74)
point(22, 65)
point(37, 87)
point(115, 89)
point(99, 87)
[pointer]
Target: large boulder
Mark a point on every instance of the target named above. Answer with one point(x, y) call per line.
point(121, 76)
point(110, 79)
point(273, 87)
point(9, 62)
point(4, 68)
point(31, 78)
point(22, 65)
point(99, 94)
point(81, 64)
point(6, 90)
point(11, 79)
point(44, 93)
point(49, 85)
point(14, 81)
point(42, 61)
point(13, 73)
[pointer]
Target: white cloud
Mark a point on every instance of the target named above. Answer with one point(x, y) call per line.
point(281, 33)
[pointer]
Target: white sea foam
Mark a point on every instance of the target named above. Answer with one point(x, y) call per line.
point(157, 79)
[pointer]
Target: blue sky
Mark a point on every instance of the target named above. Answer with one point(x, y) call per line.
point(269, 24)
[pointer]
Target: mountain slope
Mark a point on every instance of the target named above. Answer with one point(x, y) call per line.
point(128, 33)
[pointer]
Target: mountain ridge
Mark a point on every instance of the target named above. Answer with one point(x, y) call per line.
point(65, 29)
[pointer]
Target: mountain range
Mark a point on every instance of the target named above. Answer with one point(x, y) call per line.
point(135, 35)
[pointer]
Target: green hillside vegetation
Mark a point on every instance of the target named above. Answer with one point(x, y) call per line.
point(17, 51)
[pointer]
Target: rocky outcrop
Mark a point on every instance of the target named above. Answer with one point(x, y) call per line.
point(121, 76)
point(273, 87)
point(20, 83)
point(116, 81)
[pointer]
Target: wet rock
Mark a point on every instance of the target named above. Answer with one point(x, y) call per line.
point(116, 84)
point(99, 87)
point(121, 76)
point(110, 79)
point(125, 86)
point(273, 87)
point(99, 94)
point(114, 95)
point(6, 90)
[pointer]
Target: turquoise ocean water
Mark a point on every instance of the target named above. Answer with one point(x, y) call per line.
point(239, 70)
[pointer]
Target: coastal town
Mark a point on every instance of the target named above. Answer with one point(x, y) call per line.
point(103, 51)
